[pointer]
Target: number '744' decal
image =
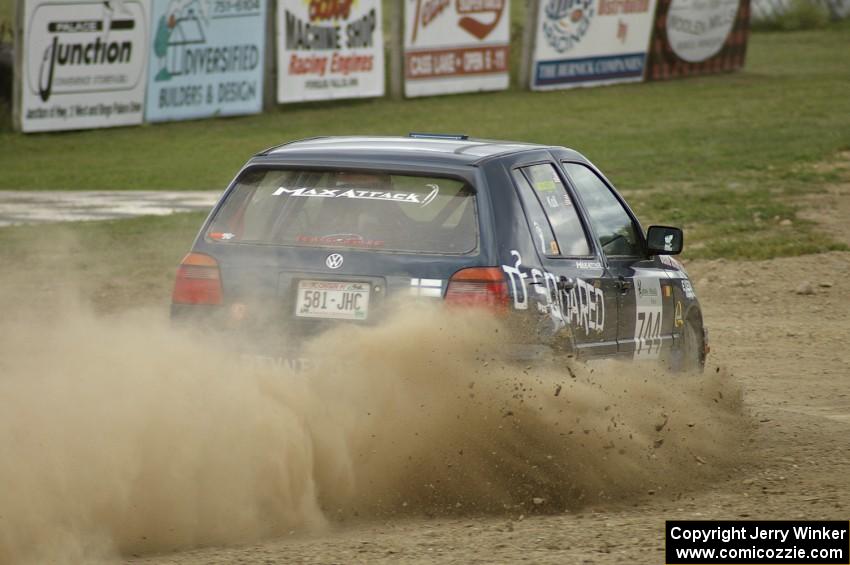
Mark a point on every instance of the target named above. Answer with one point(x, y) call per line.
point(649, 309)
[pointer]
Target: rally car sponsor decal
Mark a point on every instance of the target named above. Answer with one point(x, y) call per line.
point(677, 319)
point(581, 306)
point(517, 281)
point(584, 307)
point(649, 310)
point(432, 288)
point(362, 194)
point(595, 265)
point(688, 289)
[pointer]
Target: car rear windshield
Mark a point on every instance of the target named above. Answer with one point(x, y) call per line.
point(349, 209)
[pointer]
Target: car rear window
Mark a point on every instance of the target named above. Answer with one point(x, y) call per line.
point(349, 209)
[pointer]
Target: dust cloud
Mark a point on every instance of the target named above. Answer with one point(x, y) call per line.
point(122, 435)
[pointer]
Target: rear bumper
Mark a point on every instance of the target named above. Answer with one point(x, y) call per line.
point(279, 348)
point(296, 362)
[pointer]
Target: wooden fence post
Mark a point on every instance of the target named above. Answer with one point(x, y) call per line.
point(18, 63)
point(270, 60)
point(397, 49)
point(529, 32)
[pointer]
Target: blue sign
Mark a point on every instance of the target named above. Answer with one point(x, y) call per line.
point(590, 69)
point(206, 59)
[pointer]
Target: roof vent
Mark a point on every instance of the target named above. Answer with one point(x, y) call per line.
point(452, 136)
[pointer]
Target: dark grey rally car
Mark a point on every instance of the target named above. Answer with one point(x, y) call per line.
point(329, 230)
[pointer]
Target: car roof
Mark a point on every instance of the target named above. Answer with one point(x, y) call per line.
point(415, 148)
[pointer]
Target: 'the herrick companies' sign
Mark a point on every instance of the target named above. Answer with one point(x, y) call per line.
point(329, 49)
point(590, 42)
point(84, 64)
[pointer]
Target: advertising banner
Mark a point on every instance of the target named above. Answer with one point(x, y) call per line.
point(590, 42)
point(84, 64)
point(206, 58)
point(329, 49)
point(695, 37)
point(455, 46)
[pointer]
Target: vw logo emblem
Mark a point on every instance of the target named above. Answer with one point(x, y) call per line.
point(334, 261)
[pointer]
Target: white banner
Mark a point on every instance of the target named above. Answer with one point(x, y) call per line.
point(591, 42)
point(329, 49)
point(698, 30)
point(206, 59)
point(84, 64)
point(455, 46)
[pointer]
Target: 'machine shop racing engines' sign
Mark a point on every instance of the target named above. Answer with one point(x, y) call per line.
point(329, 49)
point(84, 64)
point(455, 46)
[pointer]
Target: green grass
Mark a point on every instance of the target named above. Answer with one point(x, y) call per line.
point(802, 14)
point(708, 153)
point(111, 264)
point(734, 222)
point(7, 10)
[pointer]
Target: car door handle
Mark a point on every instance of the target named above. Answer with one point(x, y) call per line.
point(566, 284)
point(624, 284)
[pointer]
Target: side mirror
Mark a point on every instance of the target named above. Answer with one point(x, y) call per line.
point(664, 240)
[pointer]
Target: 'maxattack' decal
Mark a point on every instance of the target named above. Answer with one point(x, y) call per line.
point(407, 197)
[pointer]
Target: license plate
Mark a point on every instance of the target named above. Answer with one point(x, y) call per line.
point(332, 299)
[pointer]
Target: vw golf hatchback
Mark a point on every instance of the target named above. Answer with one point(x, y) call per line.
point(331, 230)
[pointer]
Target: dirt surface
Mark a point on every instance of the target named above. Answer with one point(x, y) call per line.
point(830, 207)
point(178, 468)
point(785, 343)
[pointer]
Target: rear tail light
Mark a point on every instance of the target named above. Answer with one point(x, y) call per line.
point(479, 286)
point(198, 281)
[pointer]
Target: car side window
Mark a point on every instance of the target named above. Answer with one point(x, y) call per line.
point(542, 191)
point(557, 205)
point(544, 239)
point(617, 232)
